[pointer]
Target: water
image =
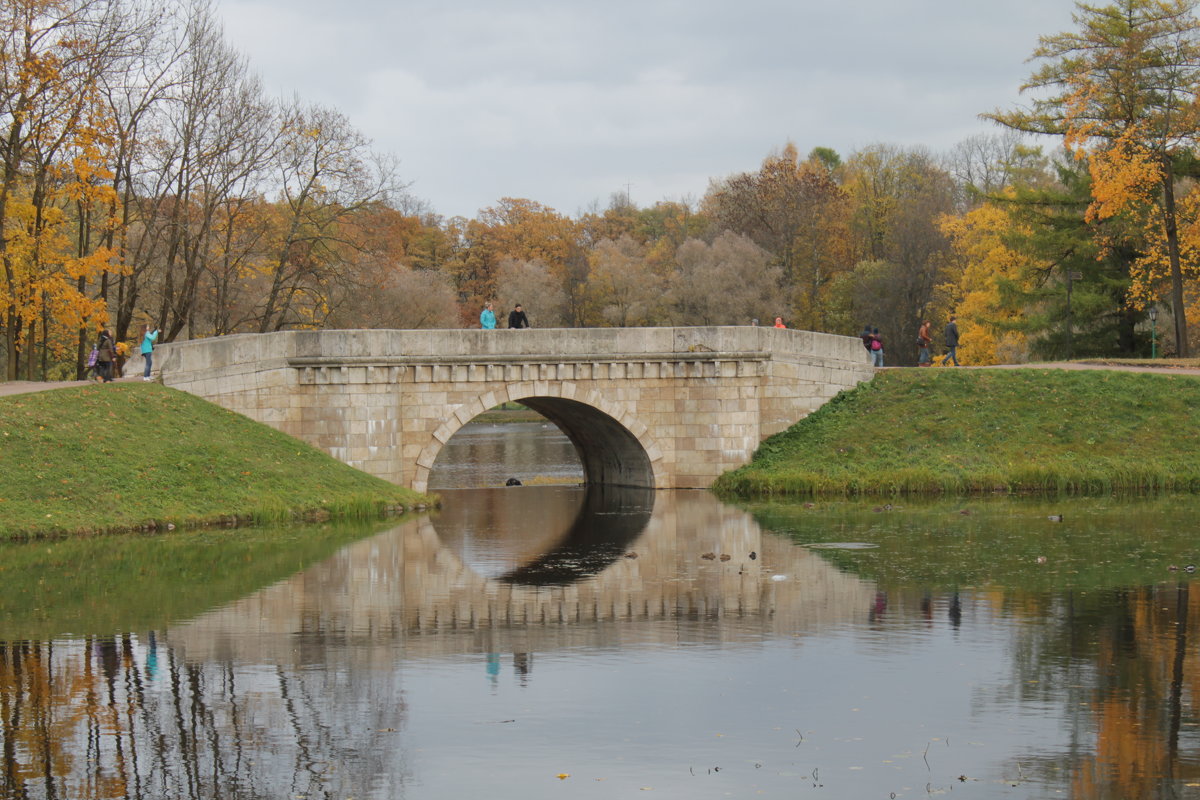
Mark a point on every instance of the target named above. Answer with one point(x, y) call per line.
point(545, 641)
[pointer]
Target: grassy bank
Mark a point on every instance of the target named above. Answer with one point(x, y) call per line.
point(127, 456)
point(963, 431)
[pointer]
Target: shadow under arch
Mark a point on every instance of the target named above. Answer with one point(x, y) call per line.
point(613, 449)
point(609, 519)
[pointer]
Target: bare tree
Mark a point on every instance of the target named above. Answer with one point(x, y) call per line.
point(623, 290)
point(727, 283)
point(326, 174)
point(983, 165)
point(213, 135)
point(390, 296)
point(531, 284)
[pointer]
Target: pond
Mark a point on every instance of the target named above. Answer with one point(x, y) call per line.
point(544, 640)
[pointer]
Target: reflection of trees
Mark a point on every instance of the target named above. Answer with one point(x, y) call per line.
point(1120, 668)
point(1125, 664)
point(100, 718)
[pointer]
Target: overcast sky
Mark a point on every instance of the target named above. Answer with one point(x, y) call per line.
point(567, 103)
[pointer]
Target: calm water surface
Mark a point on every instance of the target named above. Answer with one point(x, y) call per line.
point(543, 641)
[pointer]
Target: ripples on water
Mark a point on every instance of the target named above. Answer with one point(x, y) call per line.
point(532, 632)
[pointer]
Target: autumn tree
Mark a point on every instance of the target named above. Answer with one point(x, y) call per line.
point(134, 91)
point(197, 160)
point(515, 228)
point(618, 219)
point(1122, 91)
point(796, 211)
point(899, 198)
point(52, 54)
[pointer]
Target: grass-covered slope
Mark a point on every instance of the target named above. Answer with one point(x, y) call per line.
point(121, 456)
point(1014, 430)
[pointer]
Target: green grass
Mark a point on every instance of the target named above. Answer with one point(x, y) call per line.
point(971, 431)
point(107, 458)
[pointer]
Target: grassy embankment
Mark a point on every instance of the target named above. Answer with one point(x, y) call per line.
point(965, 431)
point(128, 456)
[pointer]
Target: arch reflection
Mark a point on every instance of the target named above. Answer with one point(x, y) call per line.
point(544, 536)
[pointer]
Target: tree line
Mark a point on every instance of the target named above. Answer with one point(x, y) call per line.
point(145, 177)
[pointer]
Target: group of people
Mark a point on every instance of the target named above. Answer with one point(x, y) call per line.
point(108, 356)
point(873, 343)
point(516, 318)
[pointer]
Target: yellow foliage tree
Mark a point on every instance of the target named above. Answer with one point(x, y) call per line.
point(52, 161)
point(978, 239)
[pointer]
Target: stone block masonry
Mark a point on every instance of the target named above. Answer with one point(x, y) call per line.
point(650, 407)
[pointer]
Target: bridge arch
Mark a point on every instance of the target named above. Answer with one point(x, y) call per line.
point(614, 447)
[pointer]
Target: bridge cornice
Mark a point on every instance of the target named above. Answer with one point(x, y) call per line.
point(300, 362)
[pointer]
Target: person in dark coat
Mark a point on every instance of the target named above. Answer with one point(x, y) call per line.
point(106, 353)
point(517, 318)
point(951, 341)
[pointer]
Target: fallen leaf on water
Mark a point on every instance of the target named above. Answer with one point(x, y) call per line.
point(562, 776)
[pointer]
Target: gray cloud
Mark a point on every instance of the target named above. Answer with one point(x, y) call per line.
point(566, 103)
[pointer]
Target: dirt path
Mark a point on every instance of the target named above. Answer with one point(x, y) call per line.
point(1084, 365)
point(24, 387)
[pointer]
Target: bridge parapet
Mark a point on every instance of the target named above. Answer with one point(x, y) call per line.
point(662, 407)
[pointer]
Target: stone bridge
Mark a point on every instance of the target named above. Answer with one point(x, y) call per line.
point(647, 407)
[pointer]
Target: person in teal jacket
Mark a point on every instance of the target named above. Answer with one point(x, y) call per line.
point(149, 337)
point(487, 318)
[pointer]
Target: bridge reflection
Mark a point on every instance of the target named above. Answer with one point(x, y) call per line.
point(269, 691)
point(410, 581)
